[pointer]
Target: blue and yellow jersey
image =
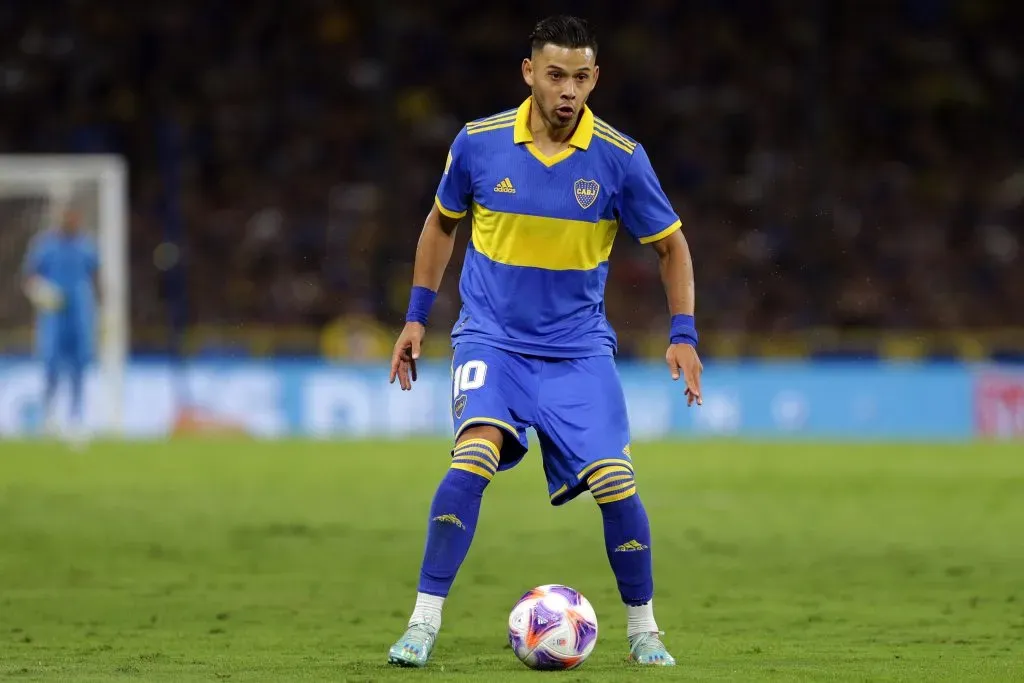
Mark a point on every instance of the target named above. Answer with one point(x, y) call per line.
point(535, 270)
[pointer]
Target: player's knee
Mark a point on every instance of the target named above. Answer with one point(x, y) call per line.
point(485, 432)
point(611, 483)
point(478, 451)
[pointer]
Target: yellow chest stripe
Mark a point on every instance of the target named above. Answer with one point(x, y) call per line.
point(541, 242)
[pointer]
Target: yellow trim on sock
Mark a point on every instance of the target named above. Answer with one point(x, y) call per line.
point(606, 461)
point(615, 488)
point(487, 451)
point(618, 470)
point(465, 467)
point(469, 459)
point(618, 496)
point(613, 484)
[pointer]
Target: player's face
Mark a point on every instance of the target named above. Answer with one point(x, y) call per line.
point(561, 79)
point(70, 222)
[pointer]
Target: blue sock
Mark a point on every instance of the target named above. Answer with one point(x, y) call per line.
point(627, 532)
point(52, 377)
point(454, 514)
point(76, 374)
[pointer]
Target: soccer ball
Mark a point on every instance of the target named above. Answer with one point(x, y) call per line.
point(552, 627)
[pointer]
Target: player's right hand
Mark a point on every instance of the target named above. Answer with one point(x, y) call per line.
point(43, 294)
point(407, 351)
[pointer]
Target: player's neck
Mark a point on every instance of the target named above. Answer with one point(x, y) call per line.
point(546, 138)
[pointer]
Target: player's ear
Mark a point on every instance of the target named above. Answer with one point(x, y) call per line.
point(597, 72)
point(528, 71)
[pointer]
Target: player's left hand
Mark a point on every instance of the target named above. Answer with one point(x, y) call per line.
point(683, 359)
point(405, 354)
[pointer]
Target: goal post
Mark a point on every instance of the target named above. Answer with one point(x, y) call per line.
point(33, 191)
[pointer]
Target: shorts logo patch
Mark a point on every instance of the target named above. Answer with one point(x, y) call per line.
point(586, 192)
point(460, 405)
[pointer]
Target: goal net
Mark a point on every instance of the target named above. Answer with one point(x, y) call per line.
point(34, 190)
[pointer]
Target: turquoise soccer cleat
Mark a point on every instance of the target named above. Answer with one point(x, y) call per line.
point(413, 648)
point(648, 650)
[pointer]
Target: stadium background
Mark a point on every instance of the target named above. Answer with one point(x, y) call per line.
point(850, 178)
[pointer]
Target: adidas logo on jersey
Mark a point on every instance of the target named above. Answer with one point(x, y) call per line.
point(505, 186)
point(630, 546)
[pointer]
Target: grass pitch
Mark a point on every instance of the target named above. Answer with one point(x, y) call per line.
point(298, 561)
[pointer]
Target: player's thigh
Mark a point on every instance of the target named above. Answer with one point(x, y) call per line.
point(48, 338)
point(489, 389)
point(583, 425)
point(81, 344)
point(74, 343)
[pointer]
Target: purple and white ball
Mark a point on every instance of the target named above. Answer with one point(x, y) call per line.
point(552, 627)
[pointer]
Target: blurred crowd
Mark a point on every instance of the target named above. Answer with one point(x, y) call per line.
point(839, 164)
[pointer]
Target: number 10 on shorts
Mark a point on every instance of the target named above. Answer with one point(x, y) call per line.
point(469, 375)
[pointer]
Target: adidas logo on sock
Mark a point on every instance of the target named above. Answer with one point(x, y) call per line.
point(630, 546)
point(505, 186)
point(449, 519)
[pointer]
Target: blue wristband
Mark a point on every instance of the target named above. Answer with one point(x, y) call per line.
point(683, 330)
point(420, 301)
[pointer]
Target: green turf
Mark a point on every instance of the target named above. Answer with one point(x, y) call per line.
point(297, 561)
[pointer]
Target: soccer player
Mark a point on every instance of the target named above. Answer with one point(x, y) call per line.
point(60, 272)
point(547, 184)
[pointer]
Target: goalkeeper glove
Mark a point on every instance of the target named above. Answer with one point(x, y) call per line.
point(43, 294)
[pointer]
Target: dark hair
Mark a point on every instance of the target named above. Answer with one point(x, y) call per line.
point(563, 31)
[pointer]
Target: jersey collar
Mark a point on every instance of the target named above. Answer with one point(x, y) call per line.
point(580, 138)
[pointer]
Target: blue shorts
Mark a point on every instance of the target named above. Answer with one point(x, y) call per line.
point(575, 405)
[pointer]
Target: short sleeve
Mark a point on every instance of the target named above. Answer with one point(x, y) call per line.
point(644, 210)
point(455, 192)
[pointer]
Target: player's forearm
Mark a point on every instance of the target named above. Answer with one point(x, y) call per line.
point(433, 251)
point(677, 273)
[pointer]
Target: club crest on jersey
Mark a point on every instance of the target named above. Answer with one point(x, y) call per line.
point(460, 405)
point(586, 192)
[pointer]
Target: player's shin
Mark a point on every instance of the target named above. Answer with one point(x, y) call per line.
point(76, 375)
point(50, 393)
point(453, 518)
point(627, 535)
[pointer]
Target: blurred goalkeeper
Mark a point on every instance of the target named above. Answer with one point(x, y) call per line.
point(548, 185)
point(60, 280)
